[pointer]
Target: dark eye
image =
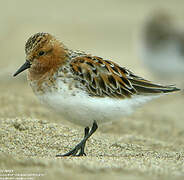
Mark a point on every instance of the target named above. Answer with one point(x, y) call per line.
point(41, 53)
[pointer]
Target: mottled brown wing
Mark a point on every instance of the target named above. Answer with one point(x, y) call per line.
point(105, 78)
point(102, 78)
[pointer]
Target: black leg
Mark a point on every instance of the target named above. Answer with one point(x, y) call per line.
point(86, 132)
point(82, 144)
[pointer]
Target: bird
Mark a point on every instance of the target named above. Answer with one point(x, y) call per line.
point(84, 89)
point(161, 47)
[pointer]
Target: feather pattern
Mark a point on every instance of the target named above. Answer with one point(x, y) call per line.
point(104, 78)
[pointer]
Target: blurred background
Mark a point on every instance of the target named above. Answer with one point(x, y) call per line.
point(105, 28)
point(113, 29)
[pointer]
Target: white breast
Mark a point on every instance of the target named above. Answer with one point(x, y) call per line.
point(80, 108)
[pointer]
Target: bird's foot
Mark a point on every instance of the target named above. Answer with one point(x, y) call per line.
point(80, 147)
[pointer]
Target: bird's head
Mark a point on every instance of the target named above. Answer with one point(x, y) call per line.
point(43, 53)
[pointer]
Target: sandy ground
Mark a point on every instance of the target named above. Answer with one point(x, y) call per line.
point(147, 145)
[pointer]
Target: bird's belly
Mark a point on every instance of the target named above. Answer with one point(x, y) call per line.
point(82, 109)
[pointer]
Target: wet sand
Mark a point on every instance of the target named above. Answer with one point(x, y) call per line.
point(149, 144)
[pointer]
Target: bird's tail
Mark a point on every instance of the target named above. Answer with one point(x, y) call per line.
point(147, 87)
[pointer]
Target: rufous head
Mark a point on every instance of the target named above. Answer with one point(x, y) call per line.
point(43, 53)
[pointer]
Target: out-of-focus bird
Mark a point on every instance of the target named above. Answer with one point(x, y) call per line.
point(162, 47)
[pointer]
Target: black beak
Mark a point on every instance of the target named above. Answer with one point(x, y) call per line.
point(25, 66)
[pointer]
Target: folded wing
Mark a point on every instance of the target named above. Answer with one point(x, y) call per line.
point(105, 78)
